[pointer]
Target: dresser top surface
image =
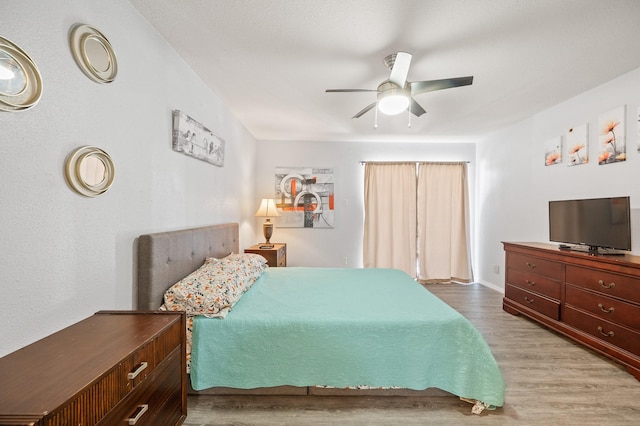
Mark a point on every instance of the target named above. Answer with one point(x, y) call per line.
point(623, 260)
point(74, 357)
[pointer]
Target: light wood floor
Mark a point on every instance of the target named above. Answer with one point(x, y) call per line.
point(549, 379)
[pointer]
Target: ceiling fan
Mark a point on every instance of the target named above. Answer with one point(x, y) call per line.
point(396, 94)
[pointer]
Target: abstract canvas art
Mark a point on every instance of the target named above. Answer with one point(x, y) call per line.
point(193, 139)
point(305, 197)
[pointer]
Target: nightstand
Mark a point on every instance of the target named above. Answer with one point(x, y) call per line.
point(276, 256)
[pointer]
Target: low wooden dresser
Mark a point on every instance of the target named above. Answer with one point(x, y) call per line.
point(113, 368)
point(276, 256)
point(593, 299)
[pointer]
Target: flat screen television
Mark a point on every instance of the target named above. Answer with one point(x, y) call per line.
point(591, 223)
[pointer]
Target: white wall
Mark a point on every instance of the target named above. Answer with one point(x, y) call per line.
point(514, 185)
point(329, 247)
point(64, 256)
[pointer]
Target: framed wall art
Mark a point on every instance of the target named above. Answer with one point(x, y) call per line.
point(305, 197)
point(578, 145)
point(193, 139)
point(638, 127)
point(553, 151)
point(611, 127)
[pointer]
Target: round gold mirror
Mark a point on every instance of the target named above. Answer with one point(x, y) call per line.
point(20, 80)
point(13, 79)
point(93, 53)
point(89, 171)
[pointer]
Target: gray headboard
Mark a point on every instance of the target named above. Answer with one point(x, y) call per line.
point(166, 257)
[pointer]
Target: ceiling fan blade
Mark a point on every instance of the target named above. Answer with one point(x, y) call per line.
point(418, 87)
point(350, 90)
point(400, 69)
point(415, 108)
point(365, 110)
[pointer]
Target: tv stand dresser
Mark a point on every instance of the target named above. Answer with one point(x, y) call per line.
point(113, 368)
point(592, 299)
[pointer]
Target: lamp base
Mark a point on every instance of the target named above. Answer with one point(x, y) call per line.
point(267, 230)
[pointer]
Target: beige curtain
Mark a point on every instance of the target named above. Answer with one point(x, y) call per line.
point(390, 216)
point(443, 223)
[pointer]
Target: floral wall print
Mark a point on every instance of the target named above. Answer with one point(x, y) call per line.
point(553, 151)
point(304, 197)
point(578, 145)
point(612, 138)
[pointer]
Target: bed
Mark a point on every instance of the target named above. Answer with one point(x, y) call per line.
point(316, 331)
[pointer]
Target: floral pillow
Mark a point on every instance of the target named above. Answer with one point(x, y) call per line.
point(250, 258)
point(216, 286)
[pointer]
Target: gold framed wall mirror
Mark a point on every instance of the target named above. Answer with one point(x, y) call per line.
point(89, 171)
point(20, 79)
point(93, 53)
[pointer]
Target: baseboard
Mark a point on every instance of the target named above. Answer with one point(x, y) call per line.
point(491, 286)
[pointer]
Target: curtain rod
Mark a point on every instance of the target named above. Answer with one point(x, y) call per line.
point(398, 162)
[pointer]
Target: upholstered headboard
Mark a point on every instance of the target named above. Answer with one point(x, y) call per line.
point(166, 257)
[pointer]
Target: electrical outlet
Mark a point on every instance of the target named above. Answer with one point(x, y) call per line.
point(496, 269)
point(345, 260)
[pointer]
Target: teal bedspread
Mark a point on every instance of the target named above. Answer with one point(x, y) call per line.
point(341, 328)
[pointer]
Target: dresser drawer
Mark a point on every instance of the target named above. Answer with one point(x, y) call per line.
point(145, 360)
point(532, 282)
point(536, 265)
point(608, 283)
point(544, 305)
point(156, 401)
point(603, 330)
point(604, 307)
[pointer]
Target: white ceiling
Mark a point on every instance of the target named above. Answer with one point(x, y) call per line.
point(270, 61)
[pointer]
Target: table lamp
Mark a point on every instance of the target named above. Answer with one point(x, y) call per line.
point(267, 209)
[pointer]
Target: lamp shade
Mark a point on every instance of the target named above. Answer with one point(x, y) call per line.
point(267, 208)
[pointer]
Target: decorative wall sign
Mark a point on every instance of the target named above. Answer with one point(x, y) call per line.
point(553, 151)
point(305, 197)
point(611, 127)
point(578, 145)
point(192, 138)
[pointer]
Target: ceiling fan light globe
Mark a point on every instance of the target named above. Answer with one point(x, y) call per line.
point(393, 104)
point(393, 101)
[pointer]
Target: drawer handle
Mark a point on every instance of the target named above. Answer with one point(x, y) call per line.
point(140, 369)
point(605, 285)
point(531, 283)
point(607, 334)
point(531, 265)
point(526, 299)
point(141, 410)
point(606, 310)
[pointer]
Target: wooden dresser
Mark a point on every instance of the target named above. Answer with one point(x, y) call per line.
point(276, 256)
point(593, 299)
point(113, 368)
